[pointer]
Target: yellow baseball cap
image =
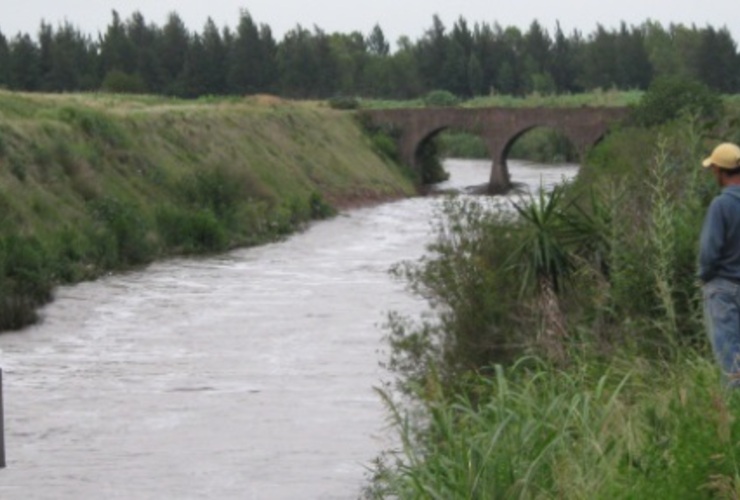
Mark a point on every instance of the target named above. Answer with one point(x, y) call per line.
point(726, 155)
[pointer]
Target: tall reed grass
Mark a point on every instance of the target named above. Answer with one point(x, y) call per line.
point(627, 428)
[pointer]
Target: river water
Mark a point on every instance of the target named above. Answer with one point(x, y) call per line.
point(248, 375)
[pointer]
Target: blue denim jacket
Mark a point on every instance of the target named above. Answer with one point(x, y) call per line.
point(719, 251)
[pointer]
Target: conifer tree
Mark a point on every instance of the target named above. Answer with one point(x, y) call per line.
point(24, 64)
point(4, 62)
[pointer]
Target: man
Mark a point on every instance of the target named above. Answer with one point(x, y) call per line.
point(719, 261)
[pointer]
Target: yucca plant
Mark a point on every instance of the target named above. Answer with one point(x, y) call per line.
point(546, 260)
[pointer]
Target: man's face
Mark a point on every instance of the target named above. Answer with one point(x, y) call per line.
point(717, 172)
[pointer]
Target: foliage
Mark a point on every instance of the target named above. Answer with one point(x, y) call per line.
point(24, 267)
point(544, 247)
point(77, 199)
point(342, 102)
point(96, 125)
point(629, 428)
point(466, 60)
point(543, 145)
point(123, 230)
point(440, 98)
point(117, 81)
point(626, 401)
point(455, 144)
point(192, 231)
point(427, 158)
point(477, 318)
point(669, 98)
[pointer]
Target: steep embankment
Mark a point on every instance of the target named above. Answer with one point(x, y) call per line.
point(90, 183)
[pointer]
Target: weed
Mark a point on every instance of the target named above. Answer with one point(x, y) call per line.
point(95, 125)
point(128, 228)
point(192, 232)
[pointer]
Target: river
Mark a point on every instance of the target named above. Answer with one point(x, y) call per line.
point(248, 375)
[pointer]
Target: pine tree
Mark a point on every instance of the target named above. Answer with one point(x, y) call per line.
point(144, 39)
point(174, 46)
point(215, 53)
point(45, 42)
point(244, 60)
point(633, 67)
point(563, 63)
point(296, 63)
point(4, 62)
point(72, 61)
point(376, 43)
point(24, 64)
point(116, 50)
point(598, 64)
point(431, 54)
point(717, 61)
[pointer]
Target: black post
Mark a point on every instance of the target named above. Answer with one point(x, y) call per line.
point(2, 424)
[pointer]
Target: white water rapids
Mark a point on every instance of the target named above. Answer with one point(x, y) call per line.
point(248, 375)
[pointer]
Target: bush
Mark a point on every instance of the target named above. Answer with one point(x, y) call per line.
point(427, 158)
point(192, 231)
point(457, 144)
point(218, 190)
point(95, 125)
point(544, 145)
point(440, 98)
point(125, 232)
point(118, 81)
point(668, 98)
point(343, 102)
point(25, 280)
point(320, 209)
point(478, 317)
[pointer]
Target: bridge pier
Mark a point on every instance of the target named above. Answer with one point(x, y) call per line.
point(499, 181)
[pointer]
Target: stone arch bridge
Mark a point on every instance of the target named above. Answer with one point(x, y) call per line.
point(498, 127)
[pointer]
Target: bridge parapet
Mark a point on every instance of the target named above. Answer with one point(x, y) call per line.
point(498, 127)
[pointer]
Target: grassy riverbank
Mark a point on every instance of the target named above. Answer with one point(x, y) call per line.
point(93, 183)
point(564, 355)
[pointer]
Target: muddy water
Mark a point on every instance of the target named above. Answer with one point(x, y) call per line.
point(245, 376)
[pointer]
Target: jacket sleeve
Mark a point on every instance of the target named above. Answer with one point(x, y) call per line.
point(710, 242)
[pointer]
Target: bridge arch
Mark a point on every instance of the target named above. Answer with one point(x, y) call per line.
point(499, 127)
point(433, 134)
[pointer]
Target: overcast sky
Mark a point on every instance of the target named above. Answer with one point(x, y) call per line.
point(395, 17)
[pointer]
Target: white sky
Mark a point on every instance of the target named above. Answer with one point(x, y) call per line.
point(396, 17)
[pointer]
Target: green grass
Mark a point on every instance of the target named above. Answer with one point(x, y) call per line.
point(630, 404)
point(94, 182)
point(595, 98)
point(627, 428)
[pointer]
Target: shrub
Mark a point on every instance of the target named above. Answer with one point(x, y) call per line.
point(125, 237)
point(343, 102)
point(96, 125)
point(478, 316)
point(668, 98)
point(118, 81)
point(440, 98)
point(457, 144)
point(319, 208)
point(25, 280)
point(218, 190)
point(544, 145)
point(427, 157)
point(192, 231)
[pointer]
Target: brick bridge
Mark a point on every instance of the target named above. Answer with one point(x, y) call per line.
point(498, 127)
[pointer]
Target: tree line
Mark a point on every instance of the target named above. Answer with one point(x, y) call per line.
point(137, 56)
